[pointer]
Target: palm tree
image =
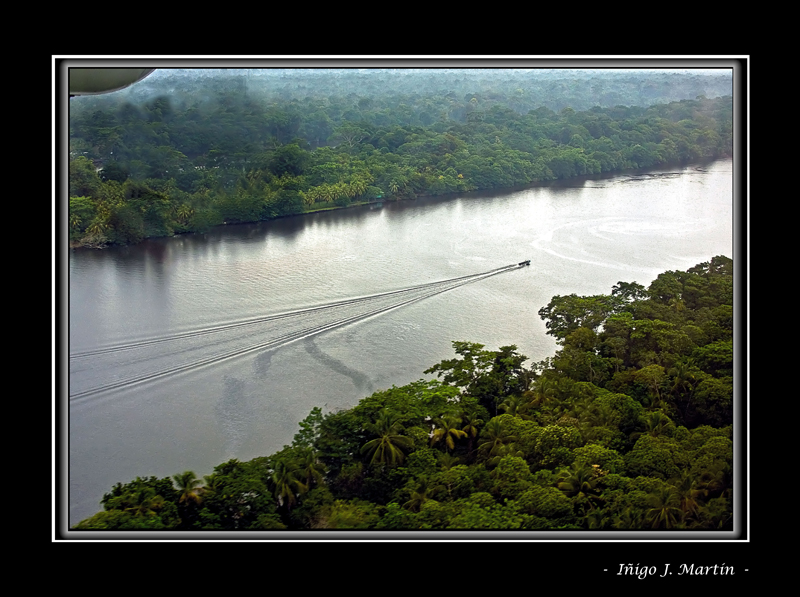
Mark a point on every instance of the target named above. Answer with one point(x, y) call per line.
point(690, 494)
point(716, 515)
point(665, 512)
point(211, 484)
point(471, 422)
point(517, 406)
point(189, 487)
point(580, 480)
point(184, 212)
point(629, 518)
point(495, 442)
point(359, 186)
point(685, 379)
point(596, 520)
point(389, 445)
point(326, 193)
point(97, 227)
point(447, 461)
point(144, 502)
point(287, 486)
point(339, 190)
point(448, 431)
point(311, 467)
point(656, 423)
point(420, 495)
point(580, 483)
point(545, 390)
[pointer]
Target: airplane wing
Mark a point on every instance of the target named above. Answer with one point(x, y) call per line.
point(94, 81)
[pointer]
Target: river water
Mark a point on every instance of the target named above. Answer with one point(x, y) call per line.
point(188, 351)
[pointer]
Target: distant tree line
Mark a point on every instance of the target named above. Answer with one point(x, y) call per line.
point(188, 161)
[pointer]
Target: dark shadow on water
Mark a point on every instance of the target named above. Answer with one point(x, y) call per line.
point(234, 413)
point(360, 381)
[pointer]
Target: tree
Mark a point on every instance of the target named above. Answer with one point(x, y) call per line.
point(288, 159)
point(490, 376)
point(630, 291)
point(690, 494)
point(607, 459)
point(420, 494)
point(309, 429)
point(349, 135)
point(565, 314)
point(236, 495)
point(471, 422)
point(311, 468)
point(83, 179)
point(352, 514)
point(660, 457)
point(389, 445)
point(665, 511)
point(82, 211)
point(511, 477)
point(495, 441)
point(141, 504)
point(652, 377)
point(655, 423)
point(114, 171)
point(189, 487)
point(286, 483)
point(447, 430)
point(465, 372)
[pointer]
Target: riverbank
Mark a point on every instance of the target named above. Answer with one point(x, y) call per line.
point(82, 244)
point(93, 243)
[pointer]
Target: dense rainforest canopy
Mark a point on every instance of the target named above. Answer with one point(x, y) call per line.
point(183, 150)
point(628, 426)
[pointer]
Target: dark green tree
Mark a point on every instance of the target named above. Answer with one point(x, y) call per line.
point(389, 445)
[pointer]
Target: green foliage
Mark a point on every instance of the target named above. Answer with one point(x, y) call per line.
point(240, 496)
point(82, 212)
point(545, 502)
point(511, 477)
point(461, 481)
point(411, 403)
point(83, 179)
point(475, 516)
point(564, 315)
point(422, 462)
point(120, 520)
point(608, 460)
point(659, 457)
point(489, 376)
point(715, 358)
point(396, 518)
point(142, 504)
point(349, 515)
point(388, 447)
point(309, 429)
point(446, 430)
point(341, 435)
point(288, 159)
point(555, 446)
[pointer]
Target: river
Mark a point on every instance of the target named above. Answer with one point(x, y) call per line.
point(185, 352)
